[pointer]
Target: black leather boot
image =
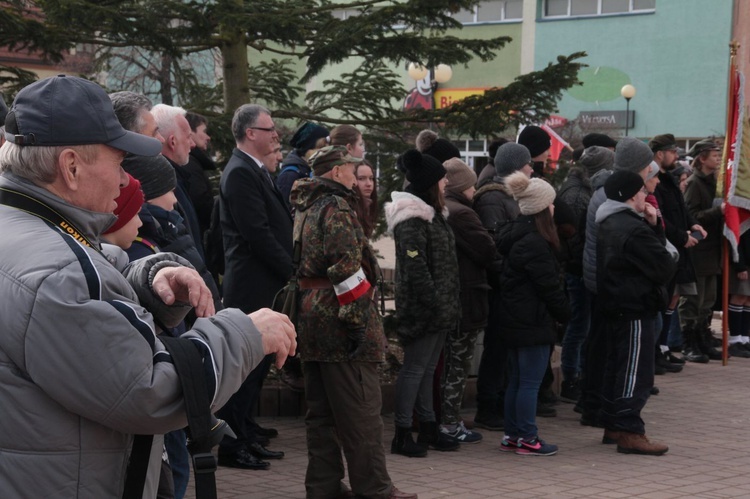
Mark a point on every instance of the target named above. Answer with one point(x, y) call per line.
point(404, 444)
point(705, 343)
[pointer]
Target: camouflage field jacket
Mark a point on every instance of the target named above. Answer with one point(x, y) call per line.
point(335, 247)
point(427, 285)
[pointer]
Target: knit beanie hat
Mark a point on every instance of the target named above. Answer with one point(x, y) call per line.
point(632, 155)
point(598, 139)
point(428, 142)
point(327, 157)
point(306, 137)
point(460, 176)
point(533, 194)
point(129, 203)
point(156, 175)
point(510, 158)
point(535, 139)
point(597, 158)
point(623, 185)
point(422, 170)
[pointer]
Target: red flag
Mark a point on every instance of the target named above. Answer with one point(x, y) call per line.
point(737, 177)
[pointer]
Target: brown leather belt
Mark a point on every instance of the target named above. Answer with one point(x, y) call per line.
point(325, 283)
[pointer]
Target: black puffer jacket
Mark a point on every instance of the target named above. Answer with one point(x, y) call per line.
point(531, 298)
point(427, 287)
point(475, 251)
point(633, 264)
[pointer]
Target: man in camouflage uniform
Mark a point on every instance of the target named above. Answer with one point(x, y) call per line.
point(340, 333)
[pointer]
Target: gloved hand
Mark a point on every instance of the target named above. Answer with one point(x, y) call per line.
point(356, 338)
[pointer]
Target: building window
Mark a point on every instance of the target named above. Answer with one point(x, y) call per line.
point(491, 12)
point(576, 8)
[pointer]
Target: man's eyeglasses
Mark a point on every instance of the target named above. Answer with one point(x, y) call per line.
point(265, 129)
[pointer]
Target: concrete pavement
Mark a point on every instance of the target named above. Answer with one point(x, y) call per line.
point(703, 413)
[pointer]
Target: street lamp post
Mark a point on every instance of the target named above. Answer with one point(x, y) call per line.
point(628, 92)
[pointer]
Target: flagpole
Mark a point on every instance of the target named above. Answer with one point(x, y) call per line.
point(733, 48)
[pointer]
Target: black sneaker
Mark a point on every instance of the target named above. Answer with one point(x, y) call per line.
point(736, 350)
point(570, 391)
point(673, 359)
point(661, 361)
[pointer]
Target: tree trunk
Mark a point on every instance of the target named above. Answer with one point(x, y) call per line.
point(235, 70)
point(165, 80)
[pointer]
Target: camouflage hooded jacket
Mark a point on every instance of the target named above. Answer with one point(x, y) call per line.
point(427, 285)
point(335, 247)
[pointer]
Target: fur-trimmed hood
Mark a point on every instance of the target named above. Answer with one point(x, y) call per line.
point(404, 206)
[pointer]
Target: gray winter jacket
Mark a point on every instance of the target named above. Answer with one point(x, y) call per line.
point(80, 376)
point(589, 249)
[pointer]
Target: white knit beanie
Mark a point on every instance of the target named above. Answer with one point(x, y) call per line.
point(533, 194)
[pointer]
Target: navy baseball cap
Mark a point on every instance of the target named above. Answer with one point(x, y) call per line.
point(69, 111)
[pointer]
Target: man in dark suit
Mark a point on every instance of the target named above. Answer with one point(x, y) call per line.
point(257, 230)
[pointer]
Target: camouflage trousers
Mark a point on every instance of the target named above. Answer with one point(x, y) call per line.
point(457, 356)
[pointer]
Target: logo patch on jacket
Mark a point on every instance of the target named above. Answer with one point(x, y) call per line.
point(412, 253)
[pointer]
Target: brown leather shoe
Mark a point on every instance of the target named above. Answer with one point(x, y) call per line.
point(397, 494)
point(634, 443)
point(610, 436)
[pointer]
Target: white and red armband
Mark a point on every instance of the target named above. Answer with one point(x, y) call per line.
point(352, 287)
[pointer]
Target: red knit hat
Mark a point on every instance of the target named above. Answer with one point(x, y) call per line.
point(129, 203)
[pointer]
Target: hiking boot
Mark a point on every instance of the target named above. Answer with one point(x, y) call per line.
point(535, 447)
point(404, 444)
point(661, 361)
point(508, 444)
point(545, 410)
point(610, 436)
point(489, 421)
point(430, 435)
point(635, 443)
point(570, 391)
point(706, 345)
point(736, 350)
point(692, 351)
point(461, 433)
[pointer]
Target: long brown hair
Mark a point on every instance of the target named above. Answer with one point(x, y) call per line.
point(545, 225)
point(367, 209)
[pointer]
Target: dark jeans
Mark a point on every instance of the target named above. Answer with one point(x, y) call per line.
point(527, 366)
point(414, 383)
point(239, 406)
point(343, 413)
point(578, 328)
point(595, 348)
point(491, 377)
point(629, 374)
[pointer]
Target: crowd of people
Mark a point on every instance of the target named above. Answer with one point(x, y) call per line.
point(618, 266)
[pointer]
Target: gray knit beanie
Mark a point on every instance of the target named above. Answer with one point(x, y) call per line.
point(510, 158)
point(632, 155)
point(155, 173)
point(597, 158)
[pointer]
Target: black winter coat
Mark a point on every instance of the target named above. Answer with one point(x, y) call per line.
point(633, 264)
point(200, 189)
point(677, 222)
point(576, 192)
point(532, 299)
point(475, 250)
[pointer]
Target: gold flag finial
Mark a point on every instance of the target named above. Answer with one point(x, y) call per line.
point(734, 46)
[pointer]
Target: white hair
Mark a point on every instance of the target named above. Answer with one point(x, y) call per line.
point(39, 163)
point(165, 117)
